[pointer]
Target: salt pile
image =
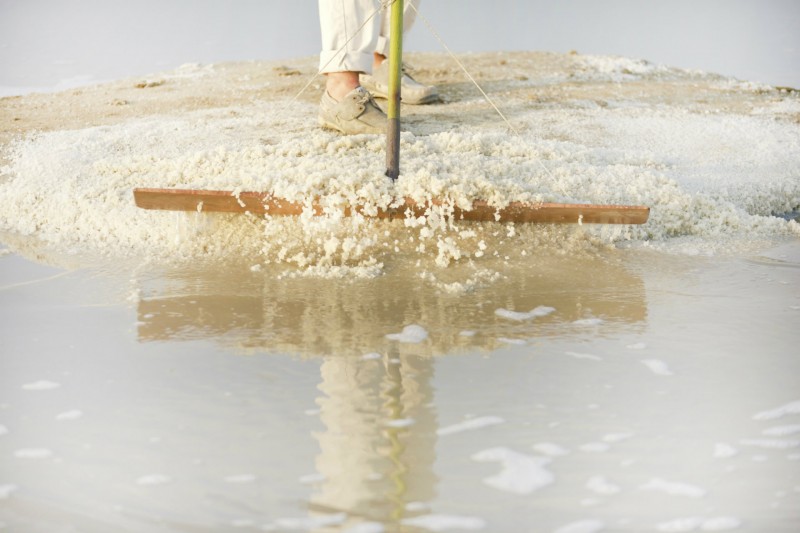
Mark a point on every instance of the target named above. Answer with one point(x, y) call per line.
point(714, 158)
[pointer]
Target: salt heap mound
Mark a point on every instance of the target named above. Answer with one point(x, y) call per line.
point(716, 159)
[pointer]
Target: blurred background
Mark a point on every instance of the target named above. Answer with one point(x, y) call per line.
point(58, 44)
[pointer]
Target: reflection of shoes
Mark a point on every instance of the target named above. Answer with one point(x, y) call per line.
point(355, 113)
point(411, 91)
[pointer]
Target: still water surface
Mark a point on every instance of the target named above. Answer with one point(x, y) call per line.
point(660, 395)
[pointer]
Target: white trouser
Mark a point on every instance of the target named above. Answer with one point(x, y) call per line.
point(340, 20)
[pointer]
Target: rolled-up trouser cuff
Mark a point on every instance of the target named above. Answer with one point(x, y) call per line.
point(383, 46)
point(341, 61)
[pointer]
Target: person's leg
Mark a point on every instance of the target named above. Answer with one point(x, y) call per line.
point(412, 92)
point(341, 60)
point(382, 47)
point(349, 37)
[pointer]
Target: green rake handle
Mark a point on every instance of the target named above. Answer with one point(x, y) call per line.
point(395, 69)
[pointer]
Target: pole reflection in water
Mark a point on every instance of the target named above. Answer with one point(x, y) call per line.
point(378, 448)
point(377, 445)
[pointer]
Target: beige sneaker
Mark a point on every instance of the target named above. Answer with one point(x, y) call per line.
point(411, 91)
point(355, 113)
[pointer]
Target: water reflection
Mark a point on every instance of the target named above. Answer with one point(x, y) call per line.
point(255, 311)
point(378, 448)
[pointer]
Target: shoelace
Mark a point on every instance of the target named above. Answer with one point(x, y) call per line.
point(365, 97)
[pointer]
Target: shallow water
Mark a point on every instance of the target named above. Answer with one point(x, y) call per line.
point(328, 374)
point(662, 396)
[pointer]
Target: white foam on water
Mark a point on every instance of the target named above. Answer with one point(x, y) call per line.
point(445, 522)
point(588, 356)
point(595, 447)
point(471, 424)
point(74, 414)
point(311, 522)
point(791, 408)
point(519, 474)
point(657, 367)
point(151, 480)
point(617, 437)
point(588, 322)
point(6, 490)
point(41, 385)
point(240, 478)
point(601, 485)
point(513, 342)
point(781, 431)
point(365, 527)
point(400, 423)
point(637, 346)
point(411, 334)
point(311, 479)
point(721, 523)
point(33, 453)
point(674, 488)
point(774, 444)
point(539, 311)
point(417, 507)
point(723, 450)
point(582, 526)
point(677, 525)
point(696, 523)
point(550, 449)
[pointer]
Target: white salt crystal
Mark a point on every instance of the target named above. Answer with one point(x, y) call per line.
point(601, 485)
point(69, 415)
point(723, 450)
point(582, 526)
point(443, 522)
point(658, 367)
point(412, 334)
point(551, 449)
point(539, 311)
point(240, 478)
point(674, 488)
point(780, 431)
point(6, 491)
point(399, 423)
point(41, 385)
point(519, 473)
point(152, 480)
point(33, 453)
point(471, 424)
point(791, 408)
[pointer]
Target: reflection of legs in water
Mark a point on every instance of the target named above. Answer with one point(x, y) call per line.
point(372, 461)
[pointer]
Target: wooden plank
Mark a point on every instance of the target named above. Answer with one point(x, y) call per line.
point(264, 203)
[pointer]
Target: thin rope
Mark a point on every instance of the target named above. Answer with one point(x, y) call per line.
point(385, 4)
point(466, 72)
point(486, 96)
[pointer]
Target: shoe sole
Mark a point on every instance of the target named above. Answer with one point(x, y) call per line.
point(331, 126)
point(426, 100)
point(328, 125)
